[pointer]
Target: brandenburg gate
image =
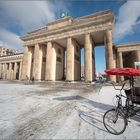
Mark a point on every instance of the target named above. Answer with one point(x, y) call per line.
point(54, 52)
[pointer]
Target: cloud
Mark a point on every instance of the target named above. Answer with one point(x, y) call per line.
point(127, 19)
point(27, 15)
point(19, 17)
point(10, 39)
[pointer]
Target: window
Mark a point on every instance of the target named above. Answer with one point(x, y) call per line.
point(59, 59)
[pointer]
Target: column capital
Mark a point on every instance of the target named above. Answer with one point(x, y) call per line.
point(49, 43)
point(93, 42)
point(37, 44)
point(108, 31)
point(88, 39)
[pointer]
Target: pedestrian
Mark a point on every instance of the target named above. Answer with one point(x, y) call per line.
point(28, 80)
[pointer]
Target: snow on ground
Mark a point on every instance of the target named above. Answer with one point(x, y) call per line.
point(58, 111)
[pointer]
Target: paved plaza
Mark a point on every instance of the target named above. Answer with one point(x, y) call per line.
point(58, 111)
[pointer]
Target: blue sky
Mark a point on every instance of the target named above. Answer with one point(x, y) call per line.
point(19, 17)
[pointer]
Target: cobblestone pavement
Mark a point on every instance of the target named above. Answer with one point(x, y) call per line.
point(56, 110)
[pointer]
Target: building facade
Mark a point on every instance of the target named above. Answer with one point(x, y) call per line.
point(11, 67)
point(45, 49)
point(128, 55)
point(6, 51)
point(54, 52)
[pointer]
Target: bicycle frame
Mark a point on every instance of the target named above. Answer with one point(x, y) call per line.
point(128, 110)
point(119, 115)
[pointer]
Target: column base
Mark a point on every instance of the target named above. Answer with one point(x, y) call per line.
point(88, 81)
point(50, 80)
point(111, 78)
point(69, 80)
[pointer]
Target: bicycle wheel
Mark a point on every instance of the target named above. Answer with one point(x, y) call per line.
point(114, 122)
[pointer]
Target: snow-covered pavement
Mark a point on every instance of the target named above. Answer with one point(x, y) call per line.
point(58, 111)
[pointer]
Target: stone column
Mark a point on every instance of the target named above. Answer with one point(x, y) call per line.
point(6, 67)
point(109, 54)
point(10, 71)
point(120, 59)
point(50, 73)
point(20, 70)
point(70, 60)
point(26, 65)
point(138, 60)
point(88, 58)
point(53, 63)
point(5, 71)
point(37, 64)
point(2, 73)
point(0, 70)
point(48, 60)
point(138, 55)
point(80, 64)
point(64, 66)
point(93, 64)
point(15, 70)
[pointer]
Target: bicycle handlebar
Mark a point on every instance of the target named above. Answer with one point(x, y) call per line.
point(116, 88)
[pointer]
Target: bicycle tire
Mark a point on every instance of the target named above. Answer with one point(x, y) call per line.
point(111, 117)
